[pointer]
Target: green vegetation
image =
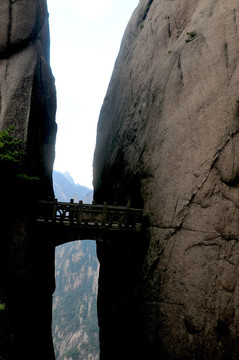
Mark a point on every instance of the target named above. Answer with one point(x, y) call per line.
point(2, 306)
point(27, 177)
point(191, 35)
point(11, 149)
point(12, 154)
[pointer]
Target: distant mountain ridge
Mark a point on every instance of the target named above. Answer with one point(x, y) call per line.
point(74, 325)
point(65, 188)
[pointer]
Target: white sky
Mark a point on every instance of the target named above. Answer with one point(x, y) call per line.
point(85, 40)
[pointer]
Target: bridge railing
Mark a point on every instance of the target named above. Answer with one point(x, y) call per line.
point(111, 217)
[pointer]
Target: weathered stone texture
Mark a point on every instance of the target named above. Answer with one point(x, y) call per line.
point(27, 89)
point(27, 102)
point(168, 139)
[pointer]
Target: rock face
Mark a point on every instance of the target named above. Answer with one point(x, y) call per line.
point(27, 102)
point(27, 86)
point(168, 140)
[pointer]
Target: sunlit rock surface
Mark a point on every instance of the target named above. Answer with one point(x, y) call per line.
point(168, 141)
point(28, 103)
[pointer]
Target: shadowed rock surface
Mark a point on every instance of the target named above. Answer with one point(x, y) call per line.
point(168, 140)
point(27, 102)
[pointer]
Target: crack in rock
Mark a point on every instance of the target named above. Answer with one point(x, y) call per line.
point(187, 206)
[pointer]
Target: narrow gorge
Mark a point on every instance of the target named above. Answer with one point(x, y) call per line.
point(167, 142)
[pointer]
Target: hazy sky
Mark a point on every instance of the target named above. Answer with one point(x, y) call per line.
point(85, 40)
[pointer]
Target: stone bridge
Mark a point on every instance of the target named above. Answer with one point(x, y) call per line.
point(65, 222)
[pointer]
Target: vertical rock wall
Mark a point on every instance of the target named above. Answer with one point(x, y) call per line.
point(168, 140)
point(27, 102)
point(27, 89)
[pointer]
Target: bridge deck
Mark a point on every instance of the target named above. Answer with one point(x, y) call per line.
point(92, 220)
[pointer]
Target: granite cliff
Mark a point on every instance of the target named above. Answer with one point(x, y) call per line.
point(28, 104)
point(168, 140)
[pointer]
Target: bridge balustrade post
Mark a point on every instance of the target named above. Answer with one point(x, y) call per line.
point(71, 212)
point(54, 211)
point(104, 214)
point(128, 211)
point(80, 212)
